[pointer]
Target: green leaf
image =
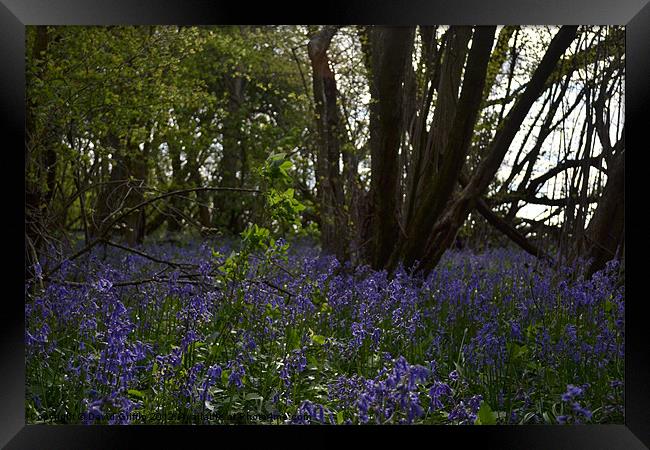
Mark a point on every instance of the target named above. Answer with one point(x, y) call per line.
point(339, 417)
point(549, 418)
point(519, 351)
point(527, 418)
point(293, 339)
point(135, 393)
point(459, 369)
point(608, 306)
point(253, 396)
point(318, 339)
point(485, 415)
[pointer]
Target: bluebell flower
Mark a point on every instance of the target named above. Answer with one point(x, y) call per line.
point(237, 371)
point(578, 409)
point(571, 392)
point(104, 285)
point(438, 392)
point(38, 270)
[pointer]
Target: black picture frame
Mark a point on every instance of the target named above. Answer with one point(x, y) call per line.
point(16, 14)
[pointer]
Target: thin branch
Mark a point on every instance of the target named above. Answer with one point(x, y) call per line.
point(129, 211)
point(147, 256)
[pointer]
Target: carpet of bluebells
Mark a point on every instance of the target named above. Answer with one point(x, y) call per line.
point(117, 337)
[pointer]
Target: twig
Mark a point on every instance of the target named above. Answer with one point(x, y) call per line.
point(271, 285)
point(137, 282)
point(145, 255)
point(129, 211)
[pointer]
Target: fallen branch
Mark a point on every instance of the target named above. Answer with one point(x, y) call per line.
point(136, 282)
point(271, 285)
point(123, 214)
point(147, 256)
point(511, 232)
point(144, 203)
point(504, 227)
point(181, 280)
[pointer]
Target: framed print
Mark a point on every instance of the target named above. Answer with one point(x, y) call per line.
point(249, 221)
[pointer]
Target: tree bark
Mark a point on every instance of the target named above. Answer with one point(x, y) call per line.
point(427, 159)
point(137, 169)
point(230, 167)
point(40, 158)
point(459, 139)
point(174, 219)
point(390, 50)
point(447, 226)
point(329, 184)
point(605, 233)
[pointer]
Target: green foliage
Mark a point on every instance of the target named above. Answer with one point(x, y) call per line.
point(106, 98)
point(282, 206)
point(275, 170)
point(485, 415)
point(256, 238)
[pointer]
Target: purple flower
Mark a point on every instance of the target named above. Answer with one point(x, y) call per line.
point(38, 271)
point(104, 285)
point(93, 411)
point(438, 392)
point(578, 409)
point(237, 371)
point(515, 331)
point(571, 392)
point(112, 339)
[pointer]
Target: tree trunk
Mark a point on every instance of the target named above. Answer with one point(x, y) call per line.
point(227, 211)
point(202, 198)
point(390, 51)
point(329, 184)
point(446, 103)
point(38, 158)
point(126, 189)
point(174, 218)
point(446, 228)
point(137, 168)
point(110, 196)
point(604, 237)
point(458, 142)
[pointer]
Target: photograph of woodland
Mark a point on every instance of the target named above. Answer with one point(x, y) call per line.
point(325, 225)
